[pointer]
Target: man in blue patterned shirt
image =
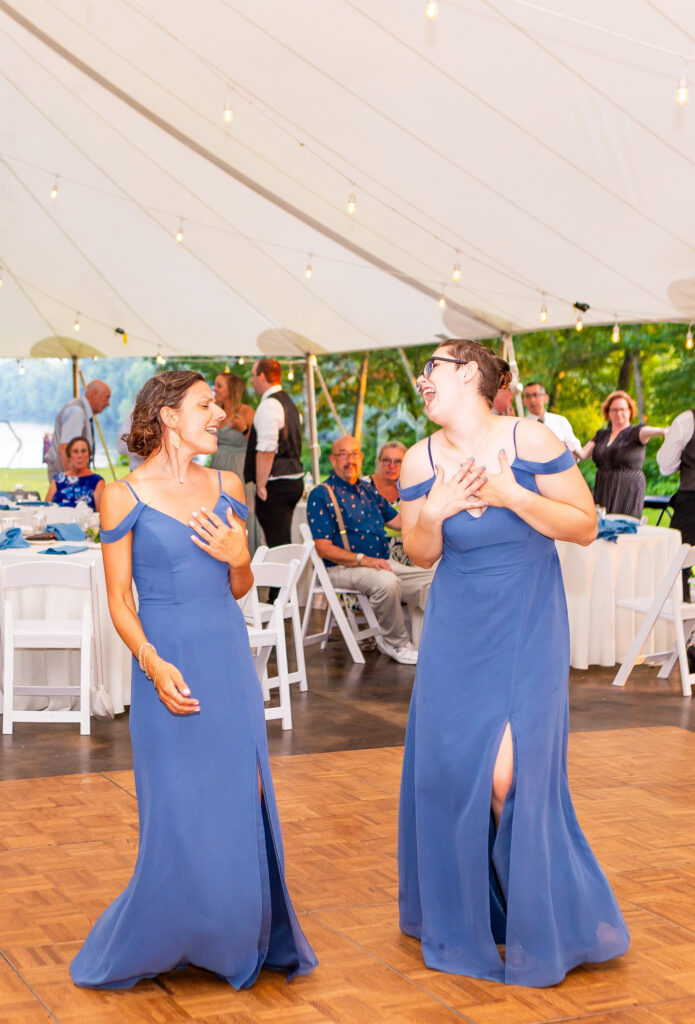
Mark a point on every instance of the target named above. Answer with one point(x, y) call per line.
point(359, 557)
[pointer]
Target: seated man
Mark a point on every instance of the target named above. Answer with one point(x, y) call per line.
point(356, 551)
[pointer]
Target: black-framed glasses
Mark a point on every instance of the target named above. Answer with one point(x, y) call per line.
point(429, 365)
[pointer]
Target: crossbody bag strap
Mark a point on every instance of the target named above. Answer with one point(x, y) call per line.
point(339, 517)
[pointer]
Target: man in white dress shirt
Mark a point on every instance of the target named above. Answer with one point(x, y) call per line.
point(76, 419)
point(677, 454)
point(535, 399)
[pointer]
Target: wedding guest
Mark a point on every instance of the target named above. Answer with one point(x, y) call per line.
point(232, 442)
point(385, 480)
point(78, 482)
point(677, 455)
point(535, 399)
point(76, 419)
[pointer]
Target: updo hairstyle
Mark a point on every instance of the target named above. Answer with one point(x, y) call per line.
point(165, 389)
point(73, 441)
point(495, 373)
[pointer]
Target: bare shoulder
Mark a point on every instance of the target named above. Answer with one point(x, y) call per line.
point(116, 502)
point(536, 442)
point(232, 485)
point(416, 464)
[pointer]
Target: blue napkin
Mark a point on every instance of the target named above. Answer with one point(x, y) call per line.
point(609, 529)
point(12, 538)
point(24, 503)
point(64, 549)
point(66, 531)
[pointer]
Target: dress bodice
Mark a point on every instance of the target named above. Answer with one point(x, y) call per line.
point(168, 567)
point(498, 539)
point(231, 450)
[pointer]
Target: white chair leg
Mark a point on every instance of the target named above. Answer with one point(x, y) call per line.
point(636, 646)
point(299, 647)
point(283, 678)
point(86, 671)
point(8, 670)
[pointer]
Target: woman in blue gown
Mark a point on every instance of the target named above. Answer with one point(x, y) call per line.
point(208, 887)
point(496, 877)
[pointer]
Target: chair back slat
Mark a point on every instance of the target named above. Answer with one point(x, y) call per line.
point(57, 573)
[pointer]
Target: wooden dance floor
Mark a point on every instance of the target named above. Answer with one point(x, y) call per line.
point(68, 844)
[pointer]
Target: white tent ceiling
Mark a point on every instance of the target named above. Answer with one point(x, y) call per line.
point(549, 151)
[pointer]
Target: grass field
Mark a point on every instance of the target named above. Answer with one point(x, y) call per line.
point(37, 479)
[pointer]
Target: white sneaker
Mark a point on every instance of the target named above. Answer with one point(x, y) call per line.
point(406, 655)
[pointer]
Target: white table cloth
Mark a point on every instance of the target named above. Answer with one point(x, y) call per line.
point(113, 657)
point(598, 576)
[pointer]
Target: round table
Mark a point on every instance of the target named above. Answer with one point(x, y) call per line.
point(113, 659)
point(599, 575)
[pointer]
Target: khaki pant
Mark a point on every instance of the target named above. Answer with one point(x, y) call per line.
point(386, 590)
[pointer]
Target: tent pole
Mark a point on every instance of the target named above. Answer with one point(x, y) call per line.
point(310, 363)
point(408, 370)
point(75, 377)
point(330, 402)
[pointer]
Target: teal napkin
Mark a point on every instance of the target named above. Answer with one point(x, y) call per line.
point(25, 503)
point(12, 538)
point(66, 531)
point(64, 549)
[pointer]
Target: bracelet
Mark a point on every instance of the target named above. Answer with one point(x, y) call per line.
point(141, 655)
point(154, 681)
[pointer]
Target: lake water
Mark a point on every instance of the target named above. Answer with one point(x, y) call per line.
point(30, 454)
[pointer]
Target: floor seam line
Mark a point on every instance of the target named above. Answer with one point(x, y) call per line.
point(394, 970)
point(29, 986)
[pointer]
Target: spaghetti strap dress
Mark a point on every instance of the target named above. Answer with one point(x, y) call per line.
point(495, 651)
point(208, 888)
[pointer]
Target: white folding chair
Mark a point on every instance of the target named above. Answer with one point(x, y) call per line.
point(272, 635)
point(258, 612)
point(321, 584)
point(46, 634)
point(667, 604)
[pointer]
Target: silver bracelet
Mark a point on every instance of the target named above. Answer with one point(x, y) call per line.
point(141, 655)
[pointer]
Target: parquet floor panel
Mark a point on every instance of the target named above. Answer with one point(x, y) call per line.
point(68, 845)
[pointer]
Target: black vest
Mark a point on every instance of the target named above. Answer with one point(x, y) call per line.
point(687, 469)
point(287, 461)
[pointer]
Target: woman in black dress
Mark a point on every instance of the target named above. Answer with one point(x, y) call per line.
point(618, 451)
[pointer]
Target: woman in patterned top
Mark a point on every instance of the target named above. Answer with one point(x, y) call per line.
point(618, 451)
point(385, 480)
point(78, 483)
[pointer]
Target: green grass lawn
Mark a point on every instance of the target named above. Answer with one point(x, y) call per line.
point(37, 479)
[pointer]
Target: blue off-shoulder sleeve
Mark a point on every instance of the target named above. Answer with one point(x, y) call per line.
point(415, 490)
point(238, 507)
point(561, 462)
point(125, 525)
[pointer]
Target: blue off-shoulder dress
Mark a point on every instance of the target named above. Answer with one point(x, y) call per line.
point(495, 650)
point(209, 886)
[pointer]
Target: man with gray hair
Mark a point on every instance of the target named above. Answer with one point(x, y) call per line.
point(76, 419)
point(535, 399)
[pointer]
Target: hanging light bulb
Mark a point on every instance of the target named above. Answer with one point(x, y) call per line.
point(442, 299)
point(159, 359)
point(456, 269)
point(682, 90)
point(179, 233)
point(308, 270)
point(54, 190)
point(579, 322)
point(615, 333)
point(241, 360)
point(76, 325)
point(227, 113)
point(431, 10)
point(543, 315)
point(689, 337)
point(21, 371)
point(290, 373)
point(351, 204)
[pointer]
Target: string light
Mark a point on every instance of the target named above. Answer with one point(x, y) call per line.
point(308, 270)
point(241, 360)
point(689, 336)
point(54, 190)
point(228, 113)
point(442, 299)
point(290, 373)
point(615, 333)
point(579, 322)
point(431, 10)
point(682, 90)
point(76, 325)
point(160, 360)
point(456, 269)
point(543, 315)
point(351, 204)
point(179, 233)
point(21, 371)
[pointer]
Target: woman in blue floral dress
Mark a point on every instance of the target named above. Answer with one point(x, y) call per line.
point(78, 483)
